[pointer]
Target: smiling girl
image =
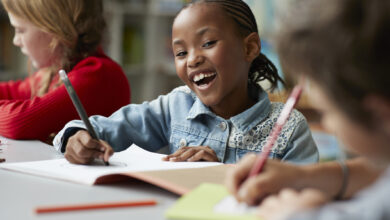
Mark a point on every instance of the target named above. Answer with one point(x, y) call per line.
point(220, 115)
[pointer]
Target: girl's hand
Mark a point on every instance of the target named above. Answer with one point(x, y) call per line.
point(83, 149)
point(192, 154)
point(290, 202)
point(274, 177)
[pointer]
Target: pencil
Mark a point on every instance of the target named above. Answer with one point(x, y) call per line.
point(283, 117)
point(79, 107)
point(51, 209)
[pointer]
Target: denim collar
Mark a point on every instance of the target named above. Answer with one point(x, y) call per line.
point(244, 121)
point(198, 108)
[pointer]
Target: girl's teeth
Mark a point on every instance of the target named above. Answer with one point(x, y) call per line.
point(196, 78)
point(202, 76)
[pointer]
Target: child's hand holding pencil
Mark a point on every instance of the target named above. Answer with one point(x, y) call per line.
point(275, 176)
point(83, 149)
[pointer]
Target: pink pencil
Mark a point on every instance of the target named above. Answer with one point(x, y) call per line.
point(284, 115)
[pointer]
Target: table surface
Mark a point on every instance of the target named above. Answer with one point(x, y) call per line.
point(21, 194)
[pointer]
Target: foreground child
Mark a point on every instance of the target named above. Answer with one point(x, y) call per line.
point(343, 47)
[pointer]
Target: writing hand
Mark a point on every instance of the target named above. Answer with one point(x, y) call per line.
point(274, 177)
point(83, 149)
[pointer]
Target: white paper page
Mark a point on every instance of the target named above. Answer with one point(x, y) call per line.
point(131, 160)
point(229, 205)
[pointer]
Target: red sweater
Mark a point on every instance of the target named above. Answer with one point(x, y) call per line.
point(99, 82)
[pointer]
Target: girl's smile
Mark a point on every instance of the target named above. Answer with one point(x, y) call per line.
point(203, 79)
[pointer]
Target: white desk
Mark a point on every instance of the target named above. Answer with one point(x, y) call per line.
point(20, 193)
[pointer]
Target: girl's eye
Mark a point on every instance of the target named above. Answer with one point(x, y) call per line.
point(181, 53)
point(209, 43)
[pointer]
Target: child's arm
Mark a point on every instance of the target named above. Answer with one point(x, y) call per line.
point(20, 89)
point(192, 154)
point(145, 125)
point(277, 175)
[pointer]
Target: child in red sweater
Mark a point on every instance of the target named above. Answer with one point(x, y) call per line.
point(58, 35)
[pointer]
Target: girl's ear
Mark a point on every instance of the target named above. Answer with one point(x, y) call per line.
point(380, 108)
point(252, 46)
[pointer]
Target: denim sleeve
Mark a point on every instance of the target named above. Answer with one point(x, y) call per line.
point(301, 148)
point(146, 125)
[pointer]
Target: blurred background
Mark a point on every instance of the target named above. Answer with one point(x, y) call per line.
point(138, 37)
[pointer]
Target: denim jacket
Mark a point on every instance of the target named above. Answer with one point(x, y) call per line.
point(180, 119)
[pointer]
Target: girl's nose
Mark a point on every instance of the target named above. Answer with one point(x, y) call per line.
point(16, 41)
point(195, 60)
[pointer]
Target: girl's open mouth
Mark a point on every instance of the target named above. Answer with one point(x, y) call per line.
point(203, 79)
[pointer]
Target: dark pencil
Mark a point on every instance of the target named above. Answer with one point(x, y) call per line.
point(79, 107)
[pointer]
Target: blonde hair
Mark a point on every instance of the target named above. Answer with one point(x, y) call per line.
point(77, 27)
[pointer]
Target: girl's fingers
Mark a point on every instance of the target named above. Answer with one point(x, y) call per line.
point(69, 158)
point(83, 152)
point(192, 154)
point(203, 155)
point(82, 149)
point(72, 158)
point(88, 142)
point(175, 154)
point(199, 155)
point(107, 154)
point(185, 154)
point(106, 149)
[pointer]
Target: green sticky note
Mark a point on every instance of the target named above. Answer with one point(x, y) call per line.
point(200, 202)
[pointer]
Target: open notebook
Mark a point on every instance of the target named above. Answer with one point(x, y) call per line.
point(177, 177)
